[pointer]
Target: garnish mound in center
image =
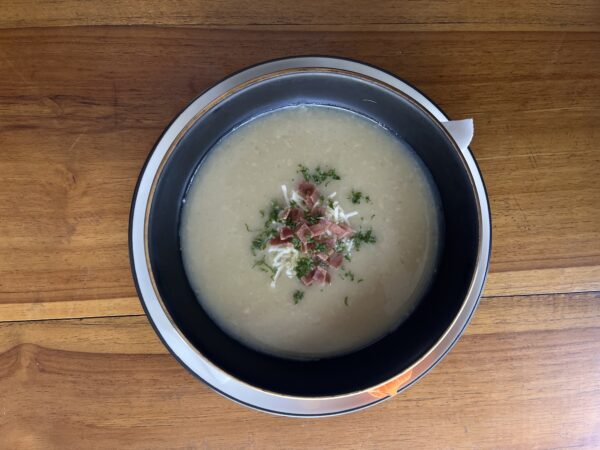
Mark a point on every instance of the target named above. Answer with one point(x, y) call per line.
point(308, 235)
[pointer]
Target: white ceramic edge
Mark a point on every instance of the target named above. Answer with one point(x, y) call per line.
point(195, 361)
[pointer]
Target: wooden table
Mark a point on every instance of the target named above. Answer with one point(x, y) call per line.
point(87, 87)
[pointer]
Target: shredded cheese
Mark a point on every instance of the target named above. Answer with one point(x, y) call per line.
point(283, 258)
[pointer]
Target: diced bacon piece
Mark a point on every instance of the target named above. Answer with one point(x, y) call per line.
point(318, 211)
point(286, 233)
point(306, 188)
point(303, 232)
point(348, 229)
point(320, 227)
point(285, 213)
point(308, 279)
point(277, 242)
point(322, 256)
point(304, 247)
point(341, 231)
point(320, 275)
point(336, 260)
point(309, 193)
point(329, 241)
point(296, 214)
point(314, 197)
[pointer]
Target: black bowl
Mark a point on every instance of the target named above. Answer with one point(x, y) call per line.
point(436, 311)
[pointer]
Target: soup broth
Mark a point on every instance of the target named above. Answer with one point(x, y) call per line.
point(370, 252)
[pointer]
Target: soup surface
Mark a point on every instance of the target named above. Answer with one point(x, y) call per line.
point(370, 251)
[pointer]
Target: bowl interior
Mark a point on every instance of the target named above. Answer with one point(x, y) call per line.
point(390, 355)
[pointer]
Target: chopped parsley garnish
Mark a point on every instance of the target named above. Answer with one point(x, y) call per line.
point(304, 266)
point(356, 197)
point(306, 234)
point(274, 213)
point(298, 295)
point(341, 247)
point(302, 169)
point(262, 239)
point(264, 266)
point(313, 219)
point(296, 243)
point(346, 300)
point(320, 248)
point(319, 175)
point(363, 237)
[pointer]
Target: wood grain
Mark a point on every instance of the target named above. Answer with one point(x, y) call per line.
point(80, 109)
point(83, 97)
point(524, 376)
point(579, 15)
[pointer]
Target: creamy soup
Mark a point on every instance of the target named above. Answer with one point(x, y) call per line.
point(310, 232)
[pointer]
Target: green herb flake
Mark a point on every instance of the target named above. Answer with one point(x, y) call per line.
point(302, 169)
point(325, 176)
point(296, 243)
point(312, 220)
point(298, 295)
point(363, 237)
point(262, 265)
point(349, 275)
point(355, 197)
point(340, 247)
point(303, 266)
point(319, 175)
point(320, 248)
point(262, 239)
point(247, 227)
point(346, 300)
point(273, 216)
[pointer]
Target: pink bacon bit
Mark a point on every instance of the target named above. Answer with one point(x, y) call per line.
point(283, 215)
point(308, 279)
point(296, 214)
point(318, 211)
point(320, 227)
point(306, 188)
point(341, 231)
point(286, 233)
point(336, 260)
point(322, 256)
point(303, 232)
point(320, 275)
point(278, 242)
point(309, 193)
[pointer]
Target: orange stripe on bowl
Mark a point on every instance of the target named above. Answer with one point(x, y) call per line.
point(391, 387)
